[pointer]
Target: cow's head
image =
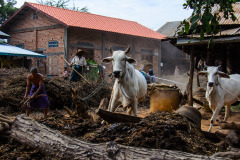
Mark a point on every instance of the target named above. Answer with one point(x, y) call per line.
point(119, 59)
point(213, 73)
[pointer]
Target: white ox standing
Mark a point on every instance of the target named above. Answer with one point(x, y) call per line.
point(130, 85)
point(222, 90)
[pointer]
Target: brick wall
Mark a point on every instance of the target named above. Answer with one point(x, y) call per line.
point(27, 21)
point(36, 33)
point(94, 37)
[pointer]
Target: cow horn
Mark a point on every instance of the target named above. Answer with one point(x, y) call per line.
point(110, 48)
point(222, 74)
point(202, 73)
point(127, 50)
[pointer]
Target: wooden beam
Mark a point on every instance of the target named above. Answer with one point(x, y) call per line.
point(210, 60)
point(229, 64)
point(133, 47)
point(159, 58)
point(224, 58)
point(85, 47)
point(103, 45)
point(190, 81)
point(66, 49)
point(37, 28)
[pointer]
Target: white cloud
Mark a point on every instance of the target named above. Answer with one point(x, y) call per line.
point(150, 13)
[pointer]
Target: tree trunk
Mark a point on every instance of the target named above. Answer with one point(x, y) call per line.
point(52, 142)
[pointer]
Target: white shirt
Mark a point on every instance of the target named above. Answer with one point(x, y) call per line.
point(80, 62)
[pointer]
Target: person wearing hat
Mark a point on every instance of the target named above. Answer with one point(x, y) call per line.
point(78, 62)
point(151, 76)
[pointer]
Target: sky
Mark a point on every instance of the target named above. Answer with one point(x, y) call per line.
point(150, 13)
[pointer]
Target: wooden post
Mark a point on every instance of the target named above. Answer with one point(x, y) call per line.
point(133, 48)
point(103, 45)
point(224, 59)
point(210, 59)
point(66, 51)
point(159, 58)
point(229, 66)
point(190, 81)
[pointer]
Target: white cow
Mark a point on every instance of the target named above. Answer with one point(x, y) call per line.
point(129, 86)
point(222, 90)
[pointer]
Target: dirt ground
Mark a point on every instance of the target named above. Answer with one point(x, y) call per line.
point(162, 130)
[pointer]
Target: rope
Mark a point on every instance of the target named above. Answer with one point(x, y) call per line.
point(230, 92)
point(95, 91)
point(171, 81)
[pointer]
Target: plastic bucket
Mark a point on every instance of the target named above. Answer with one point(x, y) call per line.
point(164, 100)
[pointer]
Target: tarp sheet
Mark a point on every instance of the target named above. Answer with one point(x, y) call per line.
point(9, 50)
point(3, 35)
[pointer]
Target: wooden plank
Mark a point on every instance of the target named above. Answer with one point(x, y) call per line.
point(113, 117)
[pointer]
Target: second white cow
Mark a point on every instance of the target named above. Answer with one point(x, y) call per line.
point(129, 86)
point(222, 90)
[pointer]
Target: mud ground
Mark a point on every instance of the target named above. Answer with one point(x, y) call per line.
point(162, 130)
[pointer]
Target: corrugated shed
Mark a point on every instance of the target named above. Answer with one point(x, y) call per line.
point(169, 29)
point(9, 50)
point(93, 21)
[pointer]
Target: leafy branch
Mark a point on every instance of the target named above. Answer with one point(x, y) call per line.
point(206, 15)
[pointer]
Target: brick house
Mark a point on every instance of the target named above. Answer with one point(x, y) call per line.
point(57, 32)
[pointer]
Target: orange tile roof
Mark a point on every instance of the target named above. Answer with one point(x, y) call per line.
point(93, 21)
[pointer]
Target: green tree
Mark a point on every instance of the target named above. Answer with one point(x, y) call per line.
point(61, 4)
point(7, 9)
point(203, 19)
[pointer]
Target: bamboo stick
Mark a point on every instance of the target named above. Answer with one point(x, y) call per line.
point(75, 70)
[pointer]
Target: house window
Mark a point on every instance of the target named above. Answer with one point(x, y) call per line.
point(35, 15)
point(85, 44)
point(147, 51)
point(20, 45)
point(117, 48)
point(52, 44)
point(149, 58)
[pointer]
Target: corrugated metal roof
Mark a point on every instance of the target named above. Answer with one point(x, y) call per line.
point(9, 50)
point(92, 21)
point(169, 29)
point(229, 21)
point(227, 32)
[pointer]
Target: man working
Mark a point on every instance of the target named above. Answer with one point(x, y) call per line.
point(37, 97)
point(79, 62)
point(151, 76)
